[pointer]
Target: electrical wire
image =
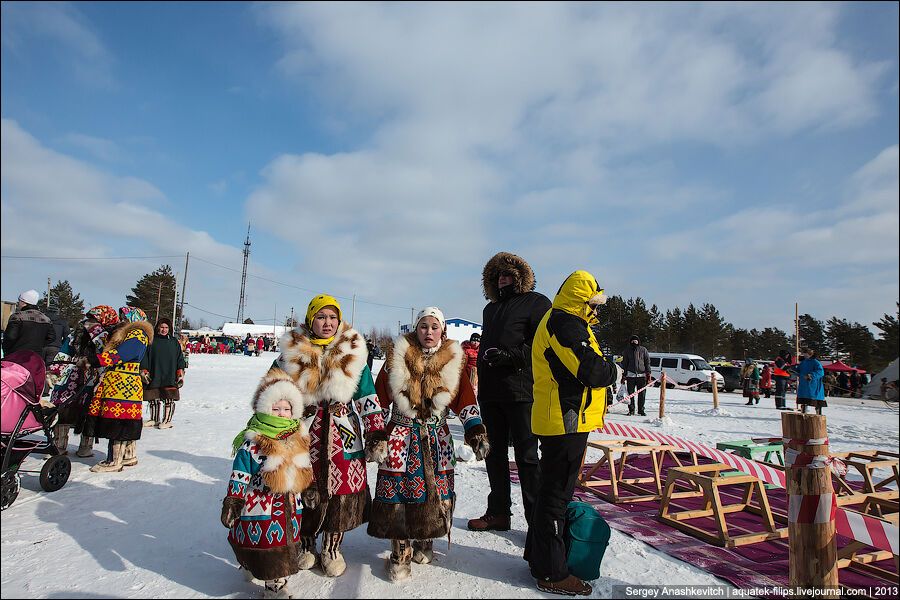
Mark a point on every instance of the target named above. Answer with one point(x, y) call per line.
point(90, 257)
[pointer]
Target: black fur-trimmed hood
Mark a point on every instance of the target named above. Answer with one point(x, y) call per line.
point(505, 261)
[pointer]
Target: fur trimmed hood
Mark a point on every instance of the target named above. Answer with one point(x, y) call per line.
point(324, 373)
point(120, 333)
point(423, 386)
point(504, 261)
point(278, 385)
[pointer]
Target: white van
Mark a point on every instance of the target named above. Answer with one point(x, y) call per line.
point(684, 369)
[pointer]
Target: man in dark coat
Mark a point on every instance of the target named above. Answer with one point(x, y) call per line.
point(28, 327)
point(505, 384)
point(60, 332)
point(636, 372)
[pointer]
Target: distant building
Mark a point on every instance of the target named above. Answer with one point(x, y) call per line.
point(242, 329)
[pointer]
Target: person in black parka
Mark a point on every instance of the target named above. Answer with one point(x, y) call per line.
point(505, 383)
point(162, 370)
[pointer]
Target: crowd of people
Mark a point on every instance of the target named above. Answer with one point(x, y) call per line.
point(318, 417)
point(99, 374)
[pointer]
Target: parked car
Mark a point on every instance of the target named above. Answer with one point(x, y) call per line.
point(684, 369)
point(731, 375)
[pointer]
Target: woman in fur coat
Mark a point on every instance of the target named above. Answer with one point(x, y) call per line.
point(162, 370)
point(72, 387)
point(115, 409)
point(424, 378)
point(271, 467)
point(326, 358)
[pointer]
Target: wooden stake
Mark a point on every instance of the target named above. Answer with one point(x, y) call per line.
point(662, 395)
point(812, 546)
point(715, 390)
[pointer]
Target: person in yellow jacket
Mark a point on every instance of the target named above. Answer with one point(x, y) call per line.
point(570, 377)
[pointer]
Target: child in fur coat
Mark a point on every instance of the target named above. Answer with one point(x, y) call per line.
point(262, 508)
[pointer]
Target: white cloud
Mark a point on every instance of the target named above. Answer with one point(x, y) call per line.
point(100, 148)
point(507, 123)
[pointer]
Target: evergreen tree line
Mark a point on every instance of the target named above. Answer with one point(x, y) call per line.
point(705, 332)
point(695, 330)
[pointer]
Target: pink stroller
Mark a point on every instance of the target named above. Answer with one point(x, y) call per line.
point(22, 375)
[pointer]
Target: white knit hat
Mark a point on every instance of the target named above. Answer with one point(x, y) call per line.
point(30, 297)
point(432, 311)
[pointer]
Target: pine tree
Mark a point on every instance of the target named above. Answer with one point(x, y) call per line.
point(66, 302)
point(154, 291)
point(886, 348)
point(812, 334)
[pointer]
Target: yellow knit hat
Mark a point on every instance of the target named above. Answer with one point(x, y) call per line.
point(318, 303)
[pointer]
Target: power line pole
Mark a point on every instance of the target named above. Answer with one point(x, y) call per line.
point(187, 258)
point(48, 294)
point(291, 322)
point(240, 313)
point(174, 302)
point(158, 300)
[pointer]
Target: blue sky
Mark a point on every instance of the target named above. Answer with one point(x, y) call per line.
point(740, 154)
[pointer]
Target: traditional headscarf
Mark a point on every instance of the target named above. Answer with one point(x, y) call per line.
point(103, 314)
point(132, 314)
point(315, 305)
point(435, 312)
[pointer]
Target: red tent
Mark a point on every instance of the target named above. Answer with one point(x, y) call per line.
point(841, 367)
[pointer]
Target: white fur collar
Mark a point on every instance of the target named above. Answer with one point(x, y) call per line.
point(400, 377)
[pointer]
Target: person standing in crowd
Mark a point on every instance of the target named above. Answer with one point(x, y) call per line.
point(271, 469)
point(505, 384)
point(750, 381)
point(636, 372)
point(72, 387)
point(60, 333)
point(28, 328)
point(810, 389)
point(470, 347)
point(115, 410)
point(326, 358)
point(372, 350)
point(855, 386)
point(781, 377)
point(570, 377)
point(830, 382)
point(765, 380)
point(843, 383)
point(259, 345)
point(162, 370)
point(424, 379)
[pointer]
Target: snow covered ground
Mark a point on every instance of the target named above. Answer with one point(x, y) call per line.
point(153, 530)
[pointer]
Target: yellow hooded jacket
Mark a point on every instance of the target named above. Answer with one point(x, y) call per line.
point(570, 372)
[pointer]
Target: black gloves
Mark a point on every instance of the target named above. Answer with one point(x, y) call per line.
point(497, 357)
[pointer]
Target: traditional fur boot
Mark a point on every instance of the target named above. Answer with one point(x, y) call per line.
point(333, 564)
point(153, 409)
point(423, 552)
point(130, 457)
point(61, 437)
point(85, 447)
point(113, 463)
point(169, 409)
point(307, 558)
point(277, 588)
point(398, 564)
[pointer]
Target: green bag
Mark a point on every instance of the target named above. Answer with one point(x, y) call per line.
point(587, 535)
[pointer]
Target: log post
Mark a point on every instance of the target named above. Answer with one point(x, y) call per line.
point(811, 529)
point(715, 391)
point(662, 395)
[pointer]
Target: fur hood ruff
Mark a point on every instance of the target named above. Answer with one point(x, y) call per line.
point(422, 385)
point(120, 333)
point(287, 468)
point(504, 261)
point(325, 374)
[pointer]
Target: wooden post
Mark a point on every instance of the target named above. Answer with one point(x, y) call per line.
point(812, 546)
point(662, 395)
point(715, 390)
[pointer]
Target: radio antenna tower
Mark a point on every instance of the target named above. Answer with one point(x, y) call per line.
point(240, 314)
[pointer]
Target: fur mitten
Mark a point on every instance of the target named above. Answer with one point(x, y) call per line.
point(476, 438)
point(231, 510)
point(310, 497)
point(376, 446)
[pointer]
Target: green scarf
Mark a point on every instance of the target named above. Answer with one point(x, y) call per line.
point(276, 428)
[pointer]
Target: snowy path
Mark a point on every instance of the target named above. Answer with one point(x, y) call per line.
point(154, 531)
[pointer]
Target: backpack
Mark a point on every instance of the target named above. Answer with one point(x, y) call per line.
point(586, 536)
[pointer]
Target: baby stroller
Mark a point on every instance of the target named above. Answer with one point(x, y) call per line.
point(22, 375)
